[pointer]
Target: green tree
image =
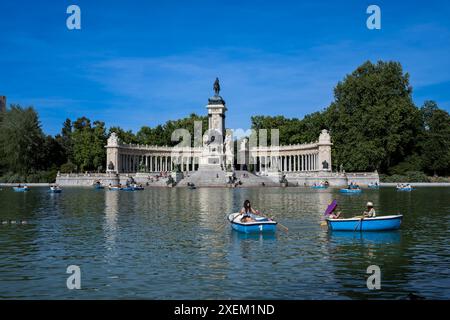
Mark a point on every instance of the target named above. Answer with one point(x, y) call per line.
point(88, 144)
point(124, 136)
point(21, 140)
point(373, 120)
point(435, 139)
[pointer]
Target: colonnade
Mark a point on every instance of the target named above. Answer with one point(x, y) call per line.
point(287, 163)
point(130, 163)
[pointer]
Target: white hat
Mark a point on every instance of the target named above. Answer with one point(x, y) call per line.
point(369, 204)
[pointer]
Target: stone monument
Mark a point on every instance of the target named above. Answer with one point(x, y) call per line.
point(324, 146)
point(213, 153)
point(112, 153)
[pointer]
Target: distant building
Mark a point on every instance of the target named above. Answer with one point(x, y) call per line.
point(2, 103)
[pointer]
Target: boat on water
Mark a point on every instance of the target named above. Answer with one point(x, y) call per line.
point(115, 188)
point(55, 189)
point(404, 188)
point(261, 224)
point(98, 186)
point(21, 189)
point(319, 187)
point(346, 190)
point(383, 223)
point(373, 186)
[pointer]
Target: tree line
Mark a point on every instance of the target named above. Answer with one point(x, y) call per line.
point(373, 122)
point(375, 125)
point(28, 155)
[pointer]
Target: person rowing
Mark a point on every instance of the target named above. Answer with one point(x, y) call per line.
point(246, 211)
point(370, 213)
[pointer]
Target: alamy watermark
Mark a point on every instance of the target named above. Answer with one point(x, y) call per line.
point(374, 20)
point(73, 22)
point(374, 280)
point(74, 280)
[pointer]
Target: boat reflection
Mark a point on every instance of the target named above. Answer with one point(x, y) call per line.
point(252, 236)
point(386, 237)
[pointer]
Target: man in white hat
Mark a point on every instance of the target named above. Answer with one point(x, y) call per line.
point(370, 213)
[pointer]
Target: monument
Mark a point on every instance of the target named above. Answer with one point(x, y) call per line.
point(214, 161)
point(213, 153)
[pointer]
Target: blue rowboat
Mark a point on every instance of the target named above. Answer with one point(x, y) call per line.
point(98, 186)
point(21, 189)
point(127, 189)
point(383, 223)
point(115, 188)
point(55, 190)
point(319, 187)
point(373, 186)
point(350, 190)
point(260, 225)
point(405, 189)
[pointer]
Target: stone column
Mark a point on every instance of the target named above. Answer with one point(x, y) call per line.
point(324, 151)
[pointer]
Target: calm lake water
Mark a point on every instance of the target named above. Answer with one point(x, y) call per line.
point(176, 244)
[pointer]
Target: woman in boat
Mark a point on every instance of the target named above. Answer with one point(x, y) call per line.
point(246, 211)
point(334, 214)
point(370, 213)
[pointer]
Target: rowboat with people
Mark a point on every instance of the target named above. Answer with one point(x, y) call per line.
point(98, 185)
point(350, 191)
point(367, 222)
point(320, 185)
point(20, 188)
point(382, 223)
point(258, 223)
point(373, 185)
point(55, 189)
point(404, 187)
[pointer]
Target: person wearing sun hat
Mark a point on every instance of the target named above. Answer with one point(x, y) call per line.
point(370, 213)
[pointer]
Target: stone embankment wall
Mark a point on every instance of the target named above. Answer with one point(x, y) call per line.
point(334, 178)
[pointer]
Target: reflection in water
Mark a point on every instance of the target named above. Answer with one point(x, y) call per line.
point(111, 212)
point(342, 237)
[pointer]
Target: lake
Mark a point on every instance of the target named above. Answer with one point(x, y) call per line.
point(176, 244)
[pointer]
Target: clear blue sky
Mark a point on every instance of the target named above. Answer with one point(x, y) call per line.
point(140, 63)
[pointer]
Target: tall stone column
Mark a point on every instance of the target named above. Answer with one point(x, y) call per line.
point(112, 154)
point(324, 151)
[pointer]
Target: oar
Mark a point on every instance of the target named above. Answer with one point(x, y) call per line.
point(280, 224)
point(223, 224)
point(359, 223)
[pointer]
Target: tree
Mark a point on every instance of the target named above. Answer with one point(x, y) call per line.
point(373, 120)
point(124, 136)
point(21, 140)
point(162, 134)
point(88, 144)
point(435, 139)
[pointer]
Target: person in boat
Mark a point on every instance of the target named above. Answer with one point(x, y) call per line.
point(246, 211)
point(370, 213)
point(334, 214)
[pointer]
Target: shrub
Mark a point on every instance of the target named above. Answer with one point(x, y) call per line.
point(68, 167)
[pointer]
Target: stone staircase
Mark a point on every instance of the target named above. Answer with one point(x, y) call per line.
point(204, 178)
point(252, 180)
point(218, 178)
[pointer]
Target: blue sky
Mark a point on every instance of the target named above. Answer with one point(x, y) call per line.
point(138, 63)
